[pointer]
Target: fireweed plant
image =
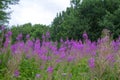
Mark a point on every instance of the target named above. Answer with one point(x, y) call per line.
point(73, 60)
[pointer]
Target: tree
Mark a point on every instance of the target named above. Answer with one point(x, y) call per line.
point(85, 15)
point(4, 5)
point(111, 21)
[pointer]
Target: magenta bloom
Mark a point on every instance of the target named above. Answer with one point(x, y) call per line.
point(16, 73)
point(110, 58)
point(9, 33)
point(27, 36)
point(7, 42)
point(2, 28)
point(50, 69)
point(91, 63)
point(19, 37)
point(85, 36)
point(43, 37)
point(48, 34)
point(70, 58)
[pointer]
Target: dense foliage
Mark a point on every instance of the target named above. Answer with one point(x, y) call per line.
point(4, 15)
point(91, 16)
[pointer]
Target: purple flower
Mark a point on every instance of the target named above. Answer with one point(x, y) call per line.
point(37, 46)
point(19, 37)
point(62, 56)
point(93, 53)
point(9, 33)
point(43, 57)
point(85, 36)
point(37, 75)
point(7, 42)
point(47, 34)
point(29, 43)
point(43, 37)
point(110, 58)
point(13, 48)
point(70, 58)
point(27, 36)
point(61, 40)
point(16, 73)
point(58, 60)
point(2, 28)
point(115, 46)
point(91, 63)
point(50, 69)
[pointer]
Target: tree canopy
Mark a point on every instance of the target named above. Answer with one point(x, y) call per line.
point(91, 16)
point(4, 5)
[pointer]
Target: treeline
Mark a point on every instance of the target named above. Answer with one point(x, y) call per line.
point(34, 31)
point(90, 16)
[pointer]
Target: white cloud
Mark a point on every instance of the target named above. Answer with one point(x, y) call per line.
point(37, 11)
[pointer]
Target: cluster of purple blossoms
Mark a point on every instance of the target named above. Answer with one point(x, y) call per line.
point(50, 69)
point(47, 34)
point(85, 36)
point(16, 73)
point(19, 37)
point(7, 40)
point(2, 28)
point(110, 58)
point(91, 63)
point(27, 36)
point(8, 34)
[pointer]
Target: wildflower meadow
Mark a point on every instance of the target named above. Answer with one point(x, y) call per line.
point(36, 59)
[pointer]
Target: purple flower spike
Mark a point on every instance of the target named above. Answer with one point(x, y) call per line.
point(61, 40)
point(70, 58)
point(2, 28)
point(50, 69)
point(27, 36)
point(48, 34)
point(85, 36)
point(43, 37)
point(91, 63)
point(16, 73)
point(9, 33)
point(37, 75)
point(7, 42)
point(110, 58)
point(19, 37)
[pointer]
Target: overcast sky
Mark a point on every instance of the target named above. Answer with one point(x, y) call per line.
point(37, 11)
